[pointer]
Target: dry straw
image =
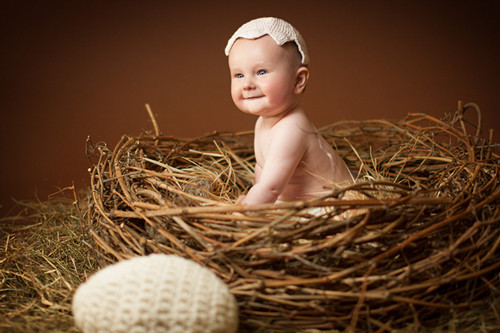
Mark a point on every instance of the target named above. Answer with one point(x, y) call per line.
point(44, 256)
point(423, 240)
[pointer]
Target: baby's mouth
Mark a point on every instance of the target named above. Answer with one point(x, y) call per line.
point(252, 96)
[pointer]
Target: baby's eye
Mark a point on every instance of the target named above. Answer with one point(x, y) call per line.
point(261, 72)
point(238, 76)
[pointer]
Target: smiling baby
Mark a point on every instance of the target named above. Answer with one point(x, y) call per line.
point(268, 64)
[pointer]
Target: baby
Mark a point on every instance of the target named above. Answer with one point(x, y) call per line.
point(268, 64)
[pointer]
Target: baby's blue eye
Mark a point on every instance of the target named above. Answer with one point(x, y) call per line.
point(239, 76)
point(262, 72)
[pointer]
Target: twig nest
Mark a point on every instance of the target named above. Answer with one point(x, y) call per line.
point(156, 293)
point(417, 233)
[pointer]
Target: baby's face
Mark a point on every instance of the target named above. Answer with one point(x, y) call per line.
point(263, 77)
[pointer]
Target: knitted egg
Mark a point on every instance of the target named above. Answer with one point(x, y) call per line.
point(155, 293)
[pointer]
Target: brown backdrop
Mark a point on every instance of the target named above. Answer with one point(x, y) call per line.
point(70, 70)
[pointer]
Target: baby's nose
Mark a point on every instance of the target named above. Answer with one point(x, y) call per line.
point(248, 83)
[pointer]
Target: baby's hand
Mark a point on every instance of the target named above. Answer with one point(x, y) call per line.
point(240, 199)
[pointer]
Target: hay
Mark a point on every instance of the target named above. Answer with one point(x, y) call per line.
point(24, 309)
point(423, 240)
point(44, 257)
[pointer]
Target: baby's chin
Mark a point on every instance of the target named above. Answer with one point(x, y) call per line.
point(261, 113)
point(253, 106)
point(261, 107)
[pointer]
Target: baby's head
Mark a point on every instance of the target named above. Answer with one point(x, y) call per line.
point(268, 63)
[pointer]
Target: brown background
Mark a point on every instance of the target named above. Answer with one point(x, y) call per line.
point(73, 69)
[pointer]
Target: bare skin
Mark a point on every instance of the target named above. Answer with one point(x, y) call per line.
point(293, 161)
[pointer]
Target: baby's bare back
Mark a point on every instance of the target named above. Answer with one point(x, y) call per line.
point(295, 159)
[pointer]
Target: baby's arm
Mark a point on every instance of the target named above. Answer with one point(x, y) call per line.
point(281, 160)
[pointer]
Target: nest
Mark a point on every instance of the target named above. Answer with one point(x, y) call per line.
point(422, 237)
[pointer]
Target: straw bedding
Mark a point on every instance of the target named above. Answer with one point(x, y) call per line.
point(420, 236)
point(44, 257)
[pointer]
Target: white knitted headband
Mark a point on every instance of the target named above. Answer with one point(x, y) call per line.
point(281, 31)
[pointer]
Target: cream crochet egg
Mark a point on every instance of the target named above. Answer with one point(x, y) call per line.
point(155, 293)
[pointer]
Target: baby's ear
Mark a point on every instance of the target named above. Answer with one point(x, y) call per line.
point(301, 79)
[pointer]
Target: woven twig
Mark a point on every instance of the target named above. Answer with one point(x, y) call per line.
point(422, 236)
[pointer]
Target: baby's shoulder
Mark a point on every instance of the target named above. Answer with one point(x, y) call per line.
point(296, 120)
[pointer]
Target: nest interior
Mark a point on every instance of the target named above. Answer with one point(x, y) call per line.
point(422, 237)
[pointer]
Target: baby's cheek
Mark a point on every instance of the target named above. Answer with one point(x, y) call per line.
point(277, 93)
point(236, 96)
